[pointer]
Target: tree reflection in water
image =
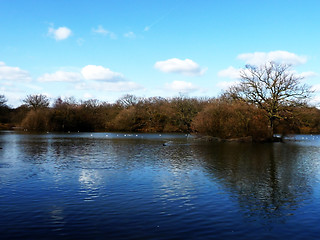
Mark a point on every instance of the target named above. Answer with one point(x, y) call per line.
point(270, 181)
point(122, 187)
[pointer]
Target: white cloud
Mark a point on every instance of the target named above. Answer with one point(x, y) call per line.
point(13, 73)
point(316, 88)
point(181, 86)
point(100, 73)
point(146, 29)
point(129, 35)
point(87, 95)
point(100, 30)
point(80, 41)
point(234, 73)
point(88, 73)
point(258, 58)
point(307, 74)
point(175, 65)
point(33, 87)
point(105, 32)
point(224, 85)
point(60, 33)
point(315, 101)
point(122, 86)
point(60, 76)
point(230, 72)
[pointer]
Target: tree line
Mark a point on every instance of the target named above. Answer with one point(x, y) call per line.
point(268, 99)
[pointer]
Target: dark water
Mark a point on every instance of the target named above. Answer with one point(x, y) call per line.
point(93, 186)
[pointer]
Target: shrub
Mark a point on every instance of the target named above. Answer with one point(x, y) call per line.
point(231, 120)
point(36, 120)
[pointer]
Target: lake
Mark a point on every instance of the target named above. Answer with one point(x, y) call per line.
point(157, 186)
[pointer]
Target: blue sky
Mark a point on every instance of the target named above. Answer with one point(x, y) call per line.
point(103, 50)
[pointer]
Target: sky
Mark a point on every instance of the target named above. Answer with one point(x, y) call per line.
point(105, 49)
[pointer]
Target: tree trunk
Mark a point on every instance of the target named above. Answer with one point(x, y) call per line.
point(271, 128)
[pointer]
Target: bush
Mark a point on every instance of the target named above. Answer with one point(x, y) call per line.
point(36, 120)
point(232, 120)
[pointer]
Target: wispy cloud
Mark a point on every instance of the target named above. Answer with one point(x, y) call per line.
point(131, 35)
point(60, 33)
point(80, 41)
point(100, 30)
point(148, 27)
point(105, 32)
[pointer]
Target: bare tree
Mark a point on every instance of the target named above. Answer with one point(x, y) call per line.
point(273, 87)
point(3, 101)
point(37, 101)
point(91, 103)
point(128, 100)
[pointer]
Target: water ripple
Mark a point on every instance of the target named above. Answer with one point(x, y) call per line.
point(78, 186)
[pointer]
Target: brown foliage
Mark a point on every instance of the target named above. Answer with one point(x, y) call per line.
point(232, 120)
point(127, 120)
point(36, 121)
point(223, 117)
point(303, 119)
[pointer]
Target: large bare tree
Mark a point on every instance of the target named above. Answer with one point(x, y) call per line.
point(273, 87)
point(37, 101)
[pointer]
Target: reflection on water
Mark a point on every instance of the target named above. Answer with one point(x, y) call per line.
point(269, 180)
point(97, 185)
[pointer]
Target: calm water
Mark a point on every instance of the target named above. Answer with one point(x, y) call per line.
point(109, 186)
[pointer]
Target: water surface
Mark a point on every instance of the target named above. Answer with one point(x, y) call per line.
point(151, 186)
